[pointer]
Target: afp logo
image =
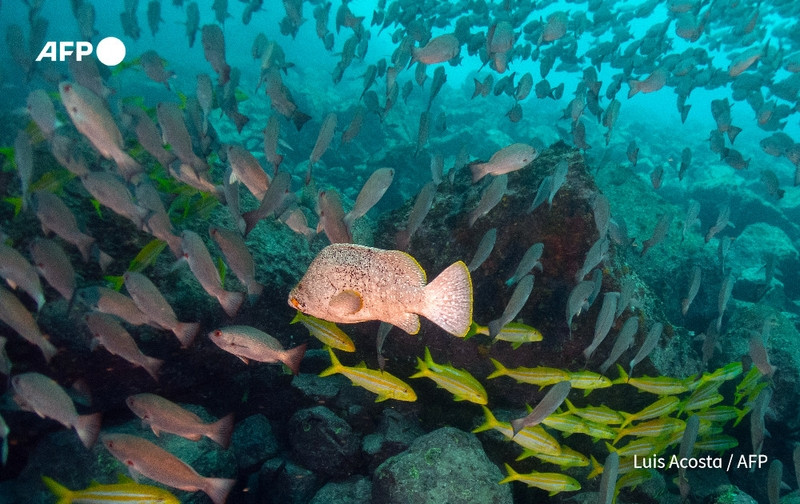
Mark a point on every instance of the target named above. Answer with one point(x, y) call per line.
point(110, 51)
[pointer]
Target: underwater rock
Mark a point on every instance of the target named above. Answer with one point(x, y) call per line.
point(282, 482)
point(253, 442)
point(768, 248)
point(395, 434)
point(323, 442)
point(356, 490)
point(729, 494)
point(447, 465)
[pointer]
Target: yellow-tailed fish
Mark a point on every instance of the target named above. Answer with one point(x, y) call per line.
point(652, 428)
point(721, 414)
point(567, 458)
point(717, 443)
point(588, 381)
point(456, 381)
point(534, 438)
point(625, 466)
point(642, 447)
point(125, 491)
point(571, 424)
point(542, 376)
point(725, 373)
point(550, 482)
point(633, 479)
point(327, 332)
point(517, 334)
point(703, 397)
point(598, 414)
point(659, 385)
point(380, 382)
point(748, 385)
point(659, 408)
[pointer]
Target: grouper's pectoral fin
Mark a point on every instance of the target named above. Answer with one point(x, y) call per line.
point(409, 322)
point(346, 302)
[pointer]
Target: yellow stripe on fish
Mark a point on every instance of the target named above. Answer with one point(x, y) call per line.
point(458, 382)
point(533, 438)
point(125, 491)
point(387, 386)
point(598, 414)
point(566, 459)
point(659, 408)
point(327, 332)
point(571, 424)
point(653, 428)
point(517, 334)
point(542, 376)
point(550, 482)
point(659, 385)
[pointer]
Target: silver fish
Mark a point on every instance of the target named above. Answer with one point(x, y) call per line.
point(608, 481)
point(213, 41)
point(174, 133)
point(605, 319)
point(596, 254)
point(649, 343)
point(206, 273)
point(112, 192)
point(490, 197)
point(53, 264)
point(724, 296)
point(577, 301)
point(517, 301)
point(371, 192)
point(14, 314)
point(109, 301)
point(19, 273)
point(529, 261)
point(331, 217)
point(248, 343)
point(484, 249)
point(659, 233)
point(106, 331)
point(557, 180)
point(694, 288)
point(422, 205)
point(23, 157)
point(238, 257)
point(150, 301)
point(247, 170)
point(549, 403)
point(542, 193)
point(624, 341)
point(37, 393)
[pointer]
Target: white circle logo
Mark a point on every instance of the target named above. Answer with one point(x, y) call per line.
point(110, 51)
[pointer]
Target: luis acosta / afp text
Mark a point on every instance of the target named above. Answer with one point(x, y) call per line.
point(732, 461)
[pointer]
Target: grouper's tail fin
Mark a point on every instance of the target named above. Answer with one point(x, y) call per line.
point(448, 300)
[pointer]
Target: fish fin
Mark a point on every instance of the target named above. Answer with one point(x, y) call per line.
point(490, 423)
point(231, 301)
point(423, 369)
point(381, 398)
point(346, 302)
point(516, 345)
point(244, 359)
point(88, 427)
point(186, 332)
point(221, 431)
point(48, 350)
point(218, 488)
point(293, 357)
point(254, 289)
point(63, 493)
point(448, 300)
point(597, 468)
point(408, 322)
point(479, 170)
point(500, 369)
point(84, 244)
point(152, 366)
point(297, 318)
point(336, 366)
point(512, 475)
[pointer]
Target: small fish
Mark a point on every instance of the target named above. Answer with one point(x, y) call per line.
point(578, 301)
point(660, 408)
point(247, 170)
point(371, 192)
point(694, 288)
point(490, 197)
point(549, 403)
point(652, 83)
point(534, 439)
point(598, 414)
point(608, 480)
point(112, 302)
point(541, 376)
point(93, 120)
point(659, 385)
point(23, 158)
point(517, 334)
point(557, 180)
point(213, 41)
point(633, 152)
point(145, 458)
point(153, 66)
point(422, 205)
point(659, 232)
point(485, 247)
point(650, 341)
point(458, 382)
point(542, 193)
point(758, 352)
point(331, 217)
point(326, 332)
point(207, 274)
point(37, 393)
point(723, 297)
point(770, 181)
point(382, 383)
point(588, 381)
point(324, 137)
point(152, 304)
point(163, 415)
point(653, 428)
point(106, 331)
point(112, 192)
point(19, 273)
point(506, 160)
point(40, 108)
point(517, 301)
point(248, 343)
point(348, 283)
point(126, 490)
point(16, 316)
point(529, 261)
point(238, 257)
point(192, 21)
point(553, 483)
point(271, 139)
point(605, 319)
point(174, 133)
point(439, 49)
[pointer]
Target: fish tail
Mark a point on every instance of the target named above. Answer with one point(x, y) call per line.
point(222, 430)
point(84, 244)
point(48, 349)
point(423, 368)
point(185, 332)
point(254, 289)
point(478, 171)
point(448, 300)
point(597, 468)
point(623, 376)
point(741, 413)
point(293, 356)
point(61, 492)
point(231, 301)
point(218, 488)
point(628, 419)
point(495, 328)
point(336, 366)
point(297, 318)
point(299, 119)
point(152, 366)
point(490, 423)
point(88, 427)
point(512, 476)
point(500, 370)
point(634, 85)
